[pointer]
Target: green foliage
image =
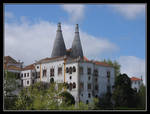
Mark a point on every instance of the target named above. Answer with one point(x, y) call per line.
point(10, 85)
point(68, 99)
point(123, 94)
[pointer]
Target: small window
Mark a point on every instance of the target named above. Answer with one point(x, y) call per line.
point(27, 82)
point(24, 74)
point(59, 70)
point(89, 95)
point(67, 70)
point(95, 72)
point(96, 87)
point(32, 81)
point(37, 67)
point(87, 102)
point(96, 80)
point(81, 85)
point(74, 69)
point(21, 75)
point(28, 75)
point(70, 70)
point(70, 86)
point(89, 71)
point(74, 85)
point(89, 78)
point(81, 70)
point(51, 80)
point(89, 86)
point(108, 74)
point(52, 72)
point(70, 77)
point(44, 72)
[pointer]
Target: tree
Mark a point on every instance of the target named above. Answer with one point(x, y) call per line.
point(142, 97)
point(10, 86)
point(123, 94)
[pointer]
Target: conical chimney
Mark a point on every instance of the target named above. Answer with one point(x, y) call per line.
point(76, 45)
point(59, 48)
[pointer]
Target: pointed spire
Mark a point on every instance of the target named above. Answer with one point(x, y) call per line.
point(59, 48)
point(76, 45)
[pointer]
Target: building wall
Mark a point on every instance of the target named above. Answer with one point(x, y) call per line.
point(136, 84)
point(26, 78)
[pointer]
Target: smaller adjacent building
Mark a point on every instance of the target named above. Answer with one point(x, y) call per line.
point(136, 83)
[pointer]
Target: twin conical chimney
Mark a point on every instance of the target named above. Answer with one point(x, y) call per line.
point(59, 48)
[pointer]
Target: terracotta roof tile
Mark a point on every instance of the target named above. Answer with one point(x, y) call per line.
point(29, 67)
point(134, 78)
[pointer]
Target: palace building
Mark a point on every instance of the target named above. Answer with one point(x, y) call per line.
point(85, 79)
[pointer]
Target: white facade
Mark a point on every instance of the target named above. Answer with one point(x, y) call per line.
point(71, 73)
point(136, 84)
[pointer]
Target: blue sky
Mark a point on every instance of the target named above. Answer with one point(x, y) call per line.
point(118, 28)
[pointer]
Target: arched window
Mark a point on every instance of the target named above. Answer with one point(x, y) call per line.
point(74, 85)
point(70, 70)
point(74, 69)
point(70, 86)
point(67, 70)
point(51, 80)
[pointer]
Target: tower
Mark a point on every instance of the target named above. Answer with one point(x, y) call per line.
point(76, 45)
point(59, 48)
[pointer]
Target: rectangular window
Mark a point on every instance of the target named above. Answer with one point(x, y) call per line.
point(96, 87)
point(59, 70)
point(44, 72)
point(95, 72)
point(33, 74)
point(89, 71)
point(27, 74)
point(21, 75)
point(89, 86)
point(38, 74)
point(108, 74)
point(24, 74)
point(27, 82)
point(52, 72)
point(81, 70)
point(89, 95)
point(82, 85)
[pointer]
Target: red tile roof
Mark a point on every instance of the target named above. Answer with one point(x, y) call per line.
point(11, 67)
point(29, 67)
point(8, 59)
point(134, 79)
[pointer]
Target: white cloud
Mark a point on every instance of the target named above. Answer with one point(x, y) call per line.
point(29, 42)
point(130, 11)
point(132, 66)
point(76, 12)
point(9, 15)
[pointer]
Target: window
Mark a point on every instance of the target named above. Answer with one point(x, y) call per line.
point(89, 95)
point(70, 70)
point(81, 70)
point(52, 72)
point(135, 82)
point(89, 86)
point(67, 70)
point(96, 80)
point(70, 86)
point(24, 74)
point(96, 96)
point(44, 72)
point(74, 69)
point(32, 81)
point(96, 87)
point(81, 85)
point(37, 67)
point(51, 80)
point(38, 74)
point(27, 82)
point(21, 82)
point(74, 85)
point(89, 71)
point(28, 75)
point(59, 70)
point(21, 75)
point(70, 77)
point(89, 78)
point(33, 74)
point(108, 74)
point(95, 72)
point(87, 102)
